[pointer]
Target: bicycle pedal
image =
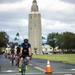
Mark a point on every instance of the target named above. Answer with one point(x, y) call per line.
point(20, 70)
point(26, 67)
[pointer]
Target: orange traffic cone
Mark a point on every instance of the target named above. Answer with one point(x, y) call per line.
point(48, 68)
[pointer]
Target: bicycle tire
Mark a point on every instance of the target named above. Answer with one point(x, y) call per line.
point(23, 72)
point(12, 60)
point(18, 62)
point(23, 67)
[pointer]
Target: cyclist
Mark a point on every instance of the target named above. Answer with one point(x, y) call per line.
point(12, 52)
point(6, 53)
point(25, 52)
point(17, 55)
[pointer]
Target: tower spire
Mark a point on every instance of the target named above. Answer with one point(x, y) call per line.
point(34, 1)
point(34, 7)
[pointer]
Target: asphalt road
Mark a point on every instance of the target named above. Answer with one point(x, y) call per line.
point(37, 67)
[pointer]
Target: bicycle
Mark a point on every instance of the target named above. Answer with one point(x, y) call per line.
point(23, 66)
point(12, 59)
point(17, 61)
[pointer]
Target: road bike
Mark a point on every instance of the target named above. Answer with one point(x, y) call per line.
point(13, 59)
point(23, 66)
point(17, 61)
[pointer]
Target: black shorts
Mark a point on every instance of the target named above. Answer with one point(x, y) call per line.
point(17, 54)
point(23, 56)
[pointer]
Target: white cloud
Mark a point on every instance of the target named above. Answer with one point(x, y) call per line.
point(55, 5)
point(15, 6)
point(49, 26)
point(49, 5)
point(57, 16)
point(69, 1)
point(23, 22)
point(9, 1)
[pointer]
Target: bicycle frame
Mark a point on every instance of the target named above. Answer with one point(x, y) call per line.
point(12, 59)
point(23, 66)
point(18, 59)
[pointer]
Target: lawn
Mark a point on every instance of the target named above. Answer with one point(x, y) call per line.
point(66, 58)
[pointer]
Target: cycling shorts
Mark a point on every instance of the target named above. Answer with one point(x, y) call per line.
point(23, 56)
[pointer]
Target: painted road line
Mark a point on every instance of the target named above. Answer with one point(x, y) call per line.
point(73, 69)
point(9, 71)
point(34, 73)
point(30, 64)
point(64, 72)
point(68, 74)
point(39, 69)
point(54, 72)
point(25, 73)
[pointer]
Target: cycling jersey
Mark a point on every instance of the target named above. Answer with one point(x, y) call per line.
point(18, 50)
point(12, 51)
point(25, 48)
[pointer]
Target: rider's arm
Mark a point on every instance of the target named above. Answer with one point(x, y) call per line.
point(30, 52)
point(21, 50)
point(15, 51)
point(29, 49)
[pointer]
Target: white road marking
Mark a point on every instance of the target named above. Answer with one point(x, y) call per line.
point(9, 71)
point(68, 74)
point(40, 69)
point(30, 64)
point(25, 73)
point(64, 72)
point(34, 73)
point(72, 69)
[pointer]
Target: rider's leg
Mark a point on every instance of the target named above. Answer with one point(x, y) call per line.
point(27, 59)
point(16, 59)
point(20, 62)
point(10, 58)
point(14, 56)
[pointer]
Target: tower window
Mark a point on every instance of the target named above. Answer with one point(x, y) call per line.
point(34, 15)
point(35, 25)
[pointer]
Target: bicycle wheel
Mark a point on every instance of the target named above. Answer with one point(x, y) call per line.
point(23, 67)
point(18, 61)
point(23, 72)
point(12, 60)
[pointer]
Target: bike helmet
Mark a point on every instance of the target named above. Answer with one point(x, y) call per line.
point(25, 40)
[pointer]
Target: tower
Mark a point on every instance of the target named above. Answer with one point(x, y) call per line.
point(34, 29)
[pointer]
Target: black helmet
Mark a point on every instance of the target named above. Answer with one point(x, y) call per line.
point(25, 40)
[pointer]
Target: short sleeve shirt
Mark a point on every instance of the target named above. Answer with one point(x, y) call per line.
point(25, 48)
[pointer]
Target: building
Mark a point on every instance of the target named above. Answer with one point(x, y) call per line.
point(47, 49)
point(34, 29)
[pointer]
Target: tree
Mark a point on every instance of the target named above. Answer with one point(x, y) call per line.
point(51, 40)
point(4, 39)
point(17, 34)
point(69, 41)
point(65, 40)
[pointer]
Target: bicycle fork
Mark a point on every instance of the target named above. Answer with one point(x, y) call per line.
point(23, 67)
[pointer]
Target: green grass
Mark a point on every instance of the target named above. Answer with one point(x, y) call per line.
point(66, 58)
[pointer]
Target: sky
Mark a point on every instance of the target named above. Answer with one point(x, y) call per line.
point(56, 16)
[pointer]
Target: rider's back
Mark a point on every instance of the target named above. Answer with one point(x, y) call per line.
point(12, 51)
